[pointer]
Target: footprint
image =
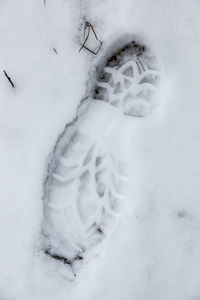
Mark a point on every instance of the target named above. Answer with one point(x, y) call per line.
point(86, 180)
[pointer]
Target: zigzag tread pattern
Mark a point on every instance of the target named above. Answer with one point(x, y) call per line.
point(87, 187)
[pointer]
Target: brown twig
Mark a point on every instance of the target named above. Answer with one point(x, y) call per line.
point(86, 26)
point(93, 52)
point(9, 79)
point(55, 50)
point(89, 24)
point(90, 27)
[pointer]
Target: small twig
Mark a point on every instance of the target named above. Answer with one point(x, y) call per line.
point(44, 2)
point(55, 50)
point(9, 79)
point(89, 24)
point(86, 26)
point(93, 52)
point(90, 27)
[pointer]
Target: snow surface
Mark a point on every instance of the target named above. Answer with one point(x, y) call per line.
point(154, 252)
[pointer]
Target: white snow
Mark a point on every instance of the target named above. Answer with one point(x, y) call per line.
point(154, 252)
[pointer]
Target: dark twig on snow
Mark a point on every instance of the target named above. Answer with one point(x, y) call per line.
point(54, 49)
point(89, 27)
point(9, 79)
point(44, 2)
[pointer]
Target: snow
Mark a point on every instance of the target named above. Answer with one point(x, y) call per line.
point(154, 251)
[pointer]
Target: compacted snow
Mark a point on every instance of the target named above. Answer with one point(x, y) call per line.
point(153, 251)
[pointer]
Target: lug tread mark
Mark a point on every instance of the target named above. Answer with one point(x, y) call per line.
point(132, 78)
